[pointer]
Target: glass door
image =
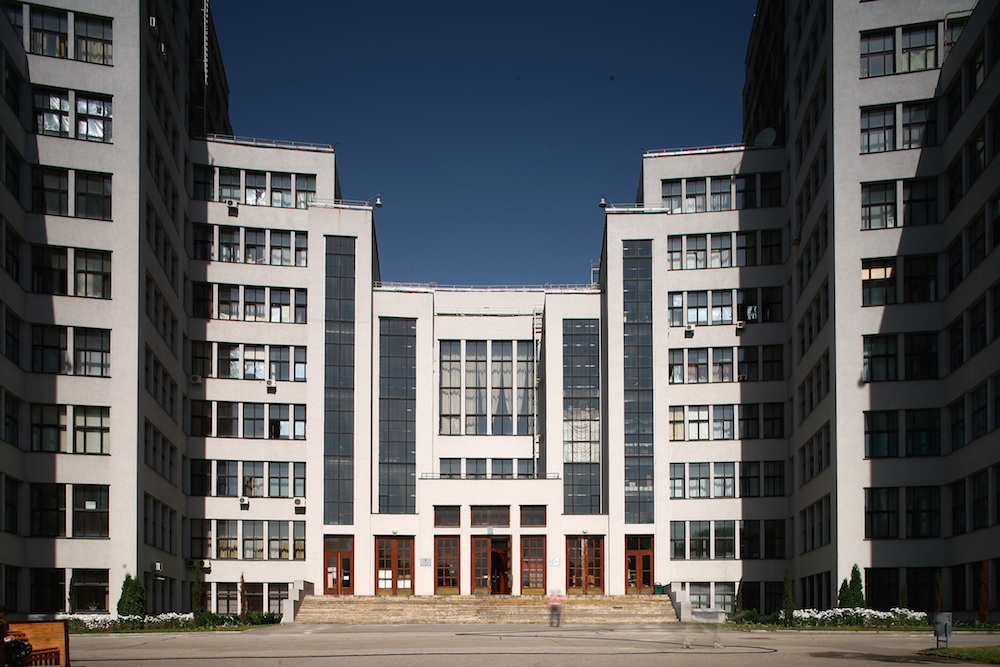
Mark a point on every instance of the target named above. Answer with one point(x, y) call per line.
point(585, 565)
point(394, 560)
point(339, 557)
point(638, 564)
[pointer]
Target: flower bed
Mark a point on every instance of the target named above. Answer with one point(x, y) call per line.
point(896, 617)
point(166, 621)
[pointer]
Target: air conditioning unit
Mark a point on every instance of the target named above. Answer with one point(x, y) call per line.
point(270, 382)
point(157, 566)
point(206, 565)
point(690, 327)
point(742, 377)
point(232, 203)
point(244, 500)
point(299, 502)
point(196, 379)
point(740, 324)
point(152, 25)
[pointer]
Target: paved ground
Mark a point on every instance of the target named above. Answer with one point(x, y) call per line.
point(507, 646)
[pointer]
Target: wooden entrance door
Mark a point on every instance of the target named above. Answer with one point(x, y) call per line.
point(394, 566)
point(491, 566)
point(638, 564)
point(339, 559)
point(533, 565)
point(585, 565)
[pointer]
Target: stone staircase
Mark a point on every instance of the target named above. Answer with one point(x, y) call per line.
point(444, 609)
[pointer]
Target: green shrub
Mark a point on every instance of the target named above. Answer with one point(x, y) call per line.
point(133, 599)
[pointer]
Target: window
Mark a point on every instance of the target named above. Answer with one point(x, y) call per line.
point(93, 274)
point(749, 421)
point(281, 190)
point(446, 515)
point(694, 195)
point(50, 191)
point(919, 48)
point(305, 190)
point(881, 513)
point(253, 540)
point(12, 338)
point(226, 479)
point(281, 305)
point(253, 479)
point(253, 420)
point(774, 478)
point(697, 308)
point(920, 356)
point(675, 309)
point(722, 364)
point(48, 270)
point(919, 125)
point(93, 39)
point(722, 251)
point(48, 510)
point(229, 244)
point(49, 32)
point(722, 193)
point(490, 515)
point(746, 191)
point(229, 184)
point(502, 468)
point(725, 547)
point(48, 349)
point(675, 253)
point(697, 257)
point(48, 428)
point(746, 248)
point(976, 153)
point(227, 419)
point(725, 480)
point(11, 420)
point(771, 304)
point(878, 132)
point(532, 515)
point(204, 184)
point(877, 53)
point(957, 410)
point(228, 361)
point(698, 422)
point(980, 500)
point(878, 281)
point(301, 248)
point(254, 308)
point(281, 248)
point(677, 540)
point(923, 511)
point(699, 480)
point(676, 480)
point(90, 510)
point(51, 112)
point(977, 326)
point(749, 479)
point(881, 434)
point(91, 430)
point(878, 205)
point(92, 349)
point(93, 118)
point(701, 536)
point(93, 195)
point(697, 365)
point(676, 422)
point(976, 241)
point(722, 307)
point(722, 422)
point(671, 196)
point(977, 400)
point(879, 358)
point(747, 364)
point(770, 189)
point(920, 278)
point(923, 432)
point(277, 540)
point(256, 188)
point(770, 246)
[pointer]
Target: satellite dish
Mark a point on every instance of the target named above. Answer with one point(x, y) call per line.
point(765, 138)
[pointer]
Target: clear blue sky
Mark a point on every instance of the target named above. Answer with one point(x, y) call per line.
point(491, 130)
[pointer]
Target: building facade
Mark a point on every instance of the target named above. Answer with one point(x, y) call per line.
point(203, 371)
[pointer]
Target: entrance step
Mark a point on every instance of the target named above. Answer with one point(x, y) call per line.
point(577, 609)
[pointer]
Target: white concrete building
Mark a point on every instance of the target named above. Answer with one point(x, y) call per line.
point(203, 368)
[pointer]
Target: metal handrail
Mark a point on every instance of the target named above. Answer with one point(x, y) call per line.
point(512, 476)
point(271, 143)
point(389, 285)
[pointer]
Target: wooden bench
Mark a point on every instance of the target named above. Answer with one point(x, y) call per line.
point(49, 641)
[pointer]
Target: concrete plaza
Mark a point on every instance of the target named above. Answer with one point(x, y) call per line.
point(507, 646)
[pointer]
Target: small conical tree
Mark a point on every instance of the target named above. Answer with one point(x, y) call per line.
point(787, 601)
point(856, 587)
point(938, 591)
point(133, 599)
point(984, 590)
point(738, 609)
point(843, 596)
point(904, 596)
point(243, 601)
point(198, 594)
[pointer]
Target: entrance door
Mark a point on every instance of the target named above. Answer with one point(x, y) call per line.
point(339, 557)
point(394, 561)
point(585, 565)
point(491, 566)
point(533, 565)
point(638, 564)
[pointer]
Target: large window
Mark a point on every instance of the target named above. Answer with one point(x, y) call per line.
point(90, 510)
point(920, 278)
point(880, 358)
point(919, 48)
point(93, 118)
point(881, 512)
point(92, 348)
point(878, 205)
point(51, 112)
point(878, 132)
point(50, 191)
point(93, 195)
point(878, 281)
point(49, 32)
point(881, 433)
point(93, 274)
point(93, 39)
point(923, 511)
point(877, 53)
point(918, 127)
